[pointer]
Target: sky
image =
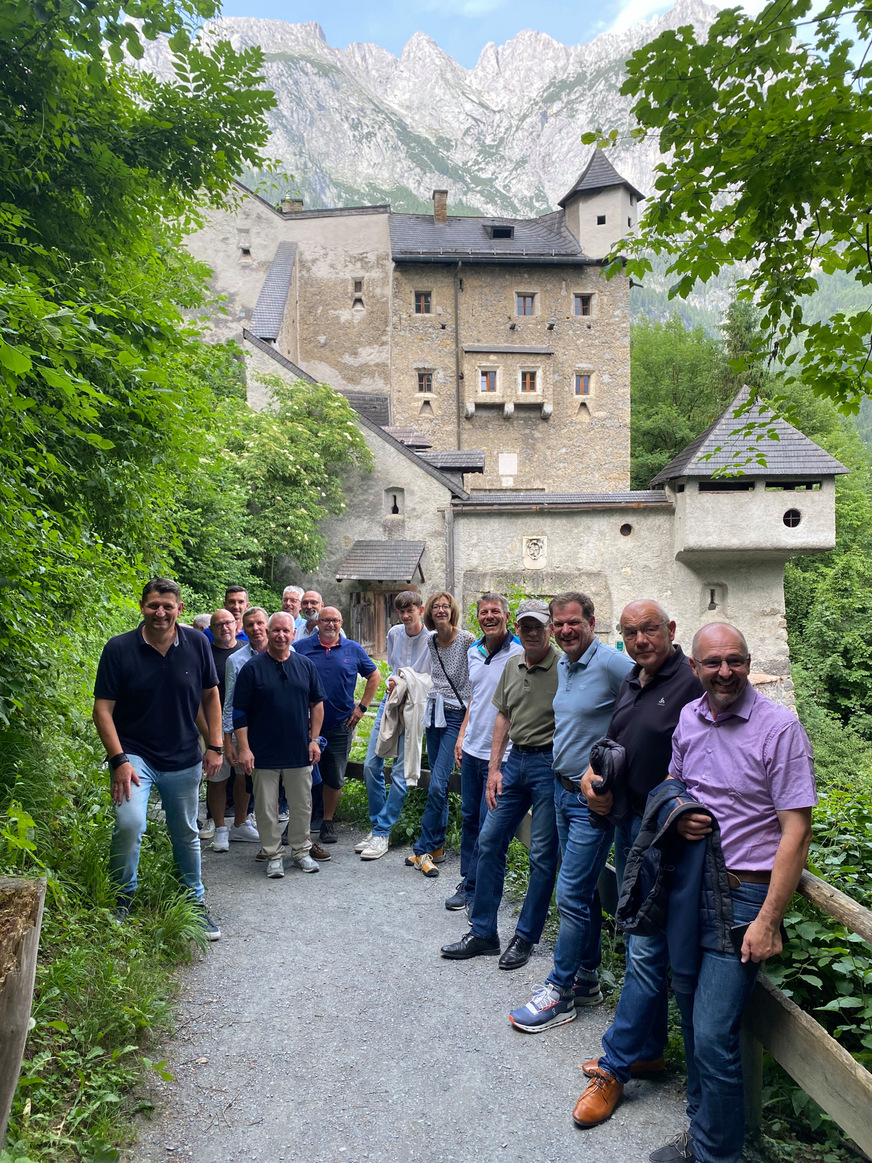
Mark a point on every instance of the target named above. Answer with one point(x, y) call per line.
point(460, 27)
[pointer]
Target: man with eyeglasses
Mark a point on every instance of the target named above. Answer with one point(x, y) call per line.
point(338, 661)
point(650, 701)
point(590, 674)
point(749, 762)
point(292, 597)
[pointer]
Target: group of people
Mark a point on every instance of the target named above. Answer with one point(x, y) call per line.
point(704, 787)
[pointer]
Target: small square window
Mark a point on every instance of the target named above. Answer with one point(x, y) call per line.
point(488, 380)
point(422, 302)
point(600, 219)
point(501, 231)
point(582, 383)
point(524, 303)
point(582, 304)
point(528, 381)
point(425, 381)
point(358, 286)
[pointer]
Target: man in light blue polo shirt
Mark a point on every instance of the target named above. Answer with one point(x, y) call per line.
point(589, 676)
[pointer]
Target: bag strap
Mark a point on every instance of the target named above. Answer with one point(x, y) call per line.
point(447, 675)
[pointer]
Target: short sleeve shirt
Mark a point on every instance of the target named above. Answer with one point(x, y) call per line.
point(586, 694)
point(272, 699)
point(754, 760)
point(338, 667)
point(526, 697)
point(156, 695)
point(485, 671)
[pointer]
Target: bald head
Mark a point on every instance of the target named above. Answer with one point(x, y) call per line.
point(329, 625)
point(718, 631)
point(648, 634)
point(721, 663)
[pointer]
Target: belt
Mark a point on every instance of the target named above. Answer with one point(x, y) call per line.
point(737, 876)
point(533, 750)
point(569, 784)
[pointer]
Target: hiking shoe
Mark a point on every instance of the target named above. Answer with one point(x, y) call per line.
point(327, 834)
point(319, 853)
point(677, 1150)
point(438, 855)
point(275, 868)
point(378, 846)
point(221, 843)
point(207, 830)
point(548, 1007)
point(423, 863)
point(457, 900)
point(598, 1101)
point(246, 833)
point(587, 992)
point(306, 864)
point(213, 933)
point(364, 843)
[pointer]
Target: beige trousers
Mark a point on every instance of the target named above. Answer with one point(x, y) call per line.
point(298, 790)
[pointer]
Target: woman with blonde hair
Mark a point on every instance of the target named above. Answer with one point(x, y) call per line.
point(446, 707)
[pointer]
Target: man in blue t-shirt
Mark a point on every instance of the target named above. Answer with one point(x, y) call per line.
point(149, 687)
point(339, 661)
point(278, 708)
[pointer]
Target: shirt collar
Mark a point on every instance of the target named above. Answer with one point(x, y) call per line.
point(481, 647)
point(585, 658)
point(741, 708)
point(543, 664)
point(667, 670)
point(143, 641)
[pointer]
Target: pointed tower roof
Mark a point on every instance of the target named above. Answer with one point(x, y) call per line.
point(721, 446)
point(598, 174)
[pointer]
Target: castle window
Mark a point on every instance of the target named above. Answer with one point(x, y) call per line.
point(500, 231)
point(422, 302)
point(395, 501)
point(528, 381)
point(525, 302)
point(582, 304)
point(582, 383)
point(600, 219)
point(792, 518)
point(358, 286)
point(488, 380)
point(425, 381)
point(357, 302)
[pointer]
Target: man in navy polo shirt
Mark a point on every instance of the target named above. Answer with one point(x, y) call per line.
point(278, 708)
point(339, 661)
point(149, 687)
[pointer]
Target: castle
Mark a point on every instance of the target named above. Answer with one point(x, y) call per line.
point(488, 362)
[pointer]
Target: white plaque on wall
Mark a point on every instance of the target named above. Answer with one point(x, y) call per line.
point(535, 552)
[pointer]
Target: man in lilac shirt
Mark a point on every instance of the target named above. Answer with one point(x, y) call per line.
point(749, 761)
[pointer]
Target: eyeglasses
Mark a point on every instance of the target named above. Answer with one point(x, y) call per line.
point(329, 621)
point(630, 633)
point(734, 662)
point(435, 608)
point(221, 625)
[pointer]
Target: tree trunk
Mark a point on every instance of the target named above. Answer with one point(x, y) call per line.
point(21, 904)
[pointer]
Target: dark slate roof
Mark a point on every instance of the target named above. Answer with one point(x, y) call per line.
point(376, 407)
point(638, 499)
point(456, 460)
point(266, 319)
point(408, 435)
point(364, 421)
point(598, 174)
point(416, 237)
point(381, 561)
point(791, 455)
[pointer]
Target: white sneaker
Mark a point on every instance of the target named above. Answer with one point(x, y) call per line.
point(275, 870)
point(378, 847)
point(221, 843)
point(364, 843)
point(246, 832)
point(208, 830)
point(307, 864)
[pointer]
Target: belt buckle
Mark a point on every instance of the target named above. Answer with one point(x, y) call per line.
point(732, 880)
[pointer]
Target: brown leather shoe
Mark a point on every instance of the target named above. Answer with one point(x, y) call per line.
point(651, 1069)
point(319, 853)
point(598, 1102)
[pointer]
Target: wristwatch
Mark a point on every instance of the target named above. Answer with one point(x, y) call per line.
point(219, 750)
point(362, 708)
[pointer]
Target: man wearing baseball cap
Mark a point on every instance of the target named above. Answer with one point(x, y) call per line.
point(524, 700)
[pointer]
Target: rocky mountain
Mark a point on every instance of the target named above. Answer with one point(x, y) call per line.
point(361, 126)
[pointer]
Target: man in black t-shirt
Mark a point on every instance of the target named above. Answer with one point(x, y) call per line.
point(644, 719)
point(150, 685)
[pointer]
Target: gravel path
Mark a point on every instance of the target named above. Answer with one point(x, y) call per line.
point(325, 1027)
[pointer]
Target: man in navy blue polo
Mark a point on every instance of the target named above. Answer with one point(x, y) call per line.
point(149, 687)
point(339, 661)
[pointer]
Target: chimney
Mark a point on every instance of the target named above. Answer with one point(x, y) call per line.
point(292, 205)
point(440, 207)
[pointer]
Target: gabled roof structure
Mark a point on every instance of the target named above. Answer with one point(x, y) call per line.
point(731, 442)
point(598, 174)
point(269, 311)
point(418, 238)
point(382, 561)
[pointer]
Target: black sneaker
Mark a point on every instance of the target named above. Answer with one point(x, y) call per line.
point(677, 1150)
point(213, 933)
point(457, 900)
point(121, 912)
point(327, 835)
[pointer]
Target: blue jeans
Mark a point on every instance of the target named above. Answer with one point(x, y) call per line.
point(711, 1019)
point(528, 782)
point(383, 811)
point(179, 793)
point(440, 753)
point(585, 850)
point(473, 807)
point(639, 1031)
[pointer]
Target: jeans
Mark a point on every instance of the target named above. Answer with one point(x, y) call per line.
point(585, 850)
point(179, 793)
point(528, 782)
point(639, 1030)
point(473, 807)
point(440, 753)
point(383, 812)
point(711, 1019)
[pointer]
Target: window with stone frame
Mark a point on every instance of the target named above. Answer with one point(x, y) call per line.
point(425, 381)
point(582, 383)
point(422, 303)
point(488, 379)
point(525, 302)
point(582, 304)
point(528, 380)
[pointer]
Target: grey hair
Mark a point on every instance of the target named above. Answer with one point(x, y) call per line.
point(298, 590)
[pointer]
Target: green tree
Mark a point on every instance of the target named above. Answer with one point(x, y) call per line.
point(764, 132)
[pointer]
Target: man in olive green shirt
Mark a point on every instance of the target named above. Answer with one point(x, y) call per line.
point(524, 700)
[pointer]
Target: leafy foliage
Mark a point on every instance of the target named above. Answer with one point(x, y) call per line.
point(764, 134)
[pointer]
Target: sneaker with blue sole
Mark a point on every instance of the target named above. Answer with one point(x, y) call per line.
point(548, 1007)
